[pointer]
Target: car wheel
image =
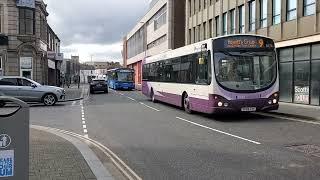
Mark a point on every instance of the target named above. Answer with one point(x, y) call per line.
point(186, 103)
point(2, 104)
point(49, 100)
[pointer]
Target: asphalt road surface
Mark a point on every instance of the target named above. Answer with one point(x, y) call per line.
point(159, 141)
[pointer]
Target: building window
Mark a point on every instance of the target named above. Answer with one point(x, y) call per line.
point(276, 11)
point(217, 26)
point(210, 28)
point(194, 35)
point(157, 42)
point(291, 9)
point(204, 4)
point(204, 30)
point(189, 6)
point(263, 13)
point(224, 23)
point(242, 16)
point(200, 4)
point(199, 33)
point(309, 7)
point(26, 21)
point(252, 15)
point(194, 6)
point(190, 37)
point(210, 1)
point(232, 21)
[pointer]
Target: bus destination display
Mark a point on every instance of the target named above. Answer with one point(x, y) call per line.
point(245, 42)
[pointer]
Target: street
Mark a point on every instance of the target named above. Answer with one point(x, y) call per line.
point(160, 141)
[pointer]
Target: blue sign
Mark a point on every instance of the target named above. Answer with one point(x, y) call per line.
point(5, 141)
point(6, 163)
point(26, 3)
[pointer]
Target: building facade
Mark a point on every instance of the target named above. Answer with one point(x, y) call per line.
point(23, 39)
point(103, 64)
point(293, 24)
point(160, 29)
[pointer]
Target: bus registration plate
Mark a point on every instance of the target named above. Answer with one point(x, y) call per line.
point(248, 109)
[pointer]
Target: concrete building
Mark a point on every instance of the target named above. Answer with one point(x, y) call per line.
point(160, 29)
point(23, 39)
point(70, 69)
point(293, 24)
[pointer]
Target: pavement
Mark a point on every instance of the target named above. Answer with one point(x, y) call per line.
point(159, 141)
point(52, 157)
point(299, 111)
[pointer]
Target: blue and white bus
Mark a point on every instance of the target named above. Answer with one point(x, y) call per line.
point(121, 78)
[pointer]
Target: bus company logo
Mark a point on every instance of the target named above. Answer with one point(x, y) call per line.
point(5, 141)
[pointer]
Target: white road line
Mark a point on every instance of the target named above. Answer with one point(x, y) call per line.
point(85, 131)
point(83, 122)
point(82, 115)
point(149, 107)
point(288, 118)
point(73, 103)
point(121, 94)
point(84, 126)
point(216, 130)
point(131, 98)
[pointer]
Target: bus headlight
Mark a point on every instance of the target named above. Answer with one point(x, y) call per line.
point(220, 104)
point(274, 101)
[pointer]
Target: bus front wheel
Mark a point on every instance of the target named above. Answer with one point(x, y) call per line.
point(186, 103)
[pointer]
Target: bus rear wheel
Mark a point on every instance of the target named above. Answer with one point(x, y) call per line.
point(186, 103)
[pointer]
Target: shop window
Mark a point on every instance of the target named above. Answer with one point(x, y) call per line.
point(302, 53)
point(315, 82)
point(316, 51)
point(286, 55)
point(301, 82)
point(286, 82)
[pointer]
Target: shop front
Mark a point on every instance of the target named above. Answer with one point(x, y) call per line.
point(300, 74)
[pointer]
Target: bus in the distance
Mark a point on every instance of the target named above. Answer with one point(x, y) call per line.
point(235, 73)
point(121, 78)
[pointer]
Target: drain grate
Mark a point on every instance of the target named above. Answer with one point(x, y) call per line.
point(307, 149)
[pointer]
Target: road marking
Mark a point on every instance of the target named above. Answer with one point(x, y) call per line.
point(85, 131)
point(149, 107)
point(216, 130)
point(73, 103)
point(84, 126)
point(287, 118)
point(131, 98)
point(83, 122)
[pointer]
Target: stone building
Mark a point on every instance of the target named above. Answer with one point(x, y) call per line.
point(24, 39)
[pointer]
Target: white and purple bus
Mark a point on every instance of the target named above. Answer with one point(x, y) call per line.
point(236, 73)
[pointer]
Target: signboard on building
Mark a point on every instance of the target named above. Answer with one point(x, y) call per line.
point(51, 55)
point(59, 56)
point(43, 46)
point(301, 94)
point(26, 62)
point(26, 3)
point(51, 64)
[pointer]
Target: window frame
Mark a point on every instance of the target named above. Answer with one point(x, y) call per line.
point(224, 24)
point(252, 16)
point(263, 19)
point(242, 25)
point(232, 21)
point(275, 15)
point(305, 6)
point(217, 19)
point(23, 21)
point(292, 10)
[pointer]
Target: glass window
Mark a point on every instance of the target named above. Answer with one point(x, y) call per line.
point(186, 69)
point(217, 26)
point(301, 82)
point(203, 68)
point(242, 16)
point(286, 82)
point(316, 51)
point(286, 55)
point(189, 6)
point(25, 82)
point(232, 21)
point(302, 53)
point(224, 24)
point(276, 11)
point(10, 81)
point(199, 33)
point(26, 21)
point(210, 28)
point(263, 13)
point(194, 6)
point(252, 15)
point(291, 9)
point(309, 7)
point(315, 82)
point(204, 30)
point(204, 4)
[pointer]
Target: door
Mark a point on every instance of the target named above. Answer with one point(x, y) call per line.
point(10, 87)
point(29, 91)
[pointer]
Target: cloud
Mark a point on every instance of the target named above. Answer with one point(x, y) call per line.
point(94, 23)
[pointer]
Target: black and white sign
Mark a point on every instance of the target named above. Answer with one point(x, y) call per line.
point(301, 94)
point(26, 3)
point(26, 62)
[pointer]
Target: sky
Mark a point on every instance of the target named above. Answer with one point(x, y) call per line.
point(94, 28)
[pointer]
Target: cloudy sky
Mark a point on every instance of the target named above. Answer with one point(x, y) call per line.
point(94, 27)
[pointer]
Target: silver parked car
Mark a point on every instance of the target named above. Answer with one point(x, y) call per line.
point(30, 91)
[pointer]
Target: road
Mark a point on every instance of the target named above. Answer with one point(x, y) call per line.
point(159, 141)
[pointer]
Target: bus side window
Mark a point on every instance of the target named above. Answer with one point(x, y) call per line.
point(203, 63)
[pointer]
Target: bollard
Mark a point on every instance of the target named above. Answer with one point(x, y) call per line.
point(14, 142)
